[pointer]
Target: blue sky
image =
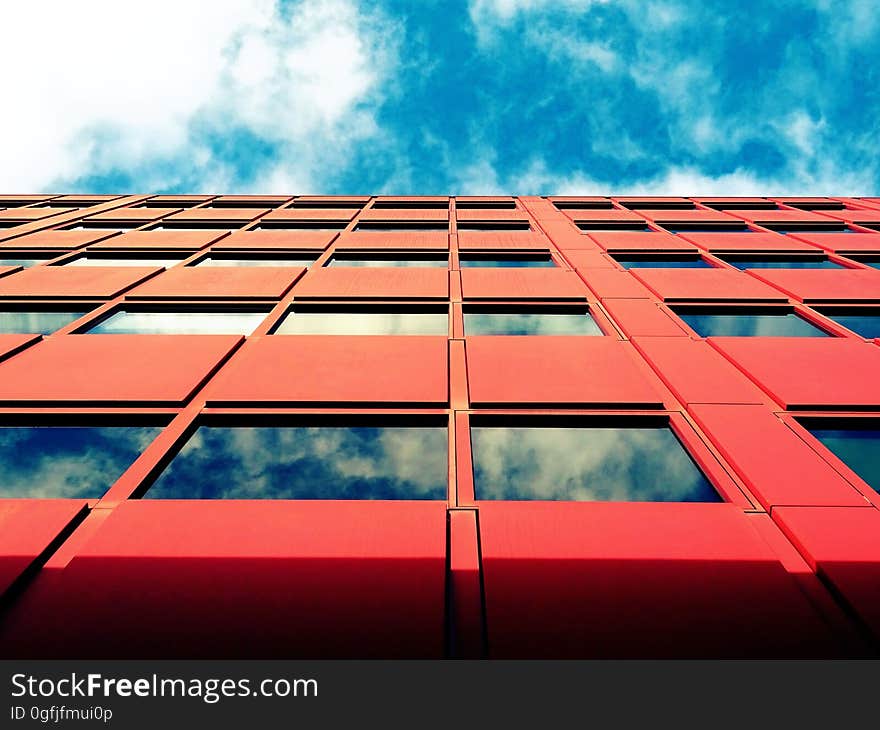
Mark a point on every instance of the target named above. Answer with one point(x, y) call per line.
point(486, 96)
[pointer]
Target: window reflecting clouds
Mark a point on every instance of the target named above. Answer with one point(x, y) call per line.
point(179, 323)
point(36, 322)
point(209, 261)
point(782, 262)
point(308, 462)
point(67, 461)
point(519, 262)
point(785, 324)
point(866, 325)
point(436, 262)
point(858, 448)
point(25, 262)
point(663, 262)
point(123, 261)
point(585, 464)
point(364, 323)
point(525, 323)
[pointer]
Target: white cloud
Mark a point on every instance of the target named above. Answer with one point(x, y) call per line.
point(99, 88)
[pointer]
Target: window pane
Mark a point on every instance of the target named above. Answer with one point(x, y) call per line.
point(866, 325)
point(180, 323)
point(508, 262)
point(380, 262)
point(751, 325)
point(67, 461)
point(792, 262)
point(364, 323)
point(22, 262)
point(241, 462)
point(585, 465)
point(525, 323)
point(254, 262)
point(35, 322)
point(662, 262)
point(859, 449)
point(122, 261)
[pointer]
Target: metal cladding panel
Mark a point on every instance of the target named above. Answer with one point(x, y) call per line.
point(311, 214)
point(825, 285)
point(405, 214)
point(627, 241)
point(778, 467)
point(748, 243)
point(340, 282)
point(201, 215)
point(56, 239)
point(607, 580)
point(841, 544)
point(608, 284)
point(72, 282)
point(401, 240)
point(642, 317)
point(28, 527)
point(696, 372)
point(325, 369)
point(546, 284)
point(269, 240)
point(113, 369)
point(189, 282)
point(246, 578)
point(159, 240)
point(664, 217)
point(807, 372)
point(562, 371)
point(708, 285)
point(842, 242)
point(502, 241)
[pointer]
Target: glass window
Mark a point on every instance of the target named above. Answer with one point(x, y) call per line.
point(737, 323)
point(391, 226)
point(612, 226)
point(253, 261)
point(386, 260)
point(478, 321)
point(872, 261)
point(364, 322)
point(67, 461)
point(103, 226)
point(864, 322)
point(37, 322)
point(302, 225)
point(201, 226)
point(781, 262)
point(122, 261)
point(585, 464)
point(25, 262)
point(493, 226)
point(518, 261)
point(308, 462)
point(681, 261)
point(857, 447)
point(178, 323)
point(705, 228)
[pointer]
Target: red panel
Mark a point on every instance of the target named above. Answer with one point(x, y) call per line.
point(608, 284)
point(405, 214)
point(57, 239)
point(171, 240)
point(27, 528)
point(842, 545)
point(855, 215)
point(638, 580)
point(190, 282)
point(804, 372)
point(581, 259)
point(697, 373)
point(73, 282)
point(559, 371)
point(114, 369)
point(664, 217)
point(738, 242)
point(403, 240)
point(30, 214)
point(621, 241)
point(311, 214)
point(824, 285)
point(275, 240)
point(783, 216)
point(491, 214)
point(604, 215)
point(310, 369)
point(245, 579)
point(842, 242)
point(132, 214)
point(373, 283)
point(198, 215)
point(504, 283)
point(708, 285)
point(642, 317)
point(775, 464)
point(502, 241)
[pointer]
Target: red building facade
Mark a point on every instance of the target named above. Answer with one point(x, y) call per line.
point(658, 417)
